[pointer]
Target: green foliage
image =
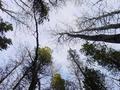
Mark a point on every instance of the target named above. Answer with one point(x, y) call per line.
point(44, 55)
point(1, 4)
point(42, 65)
point(103, 55)
point(40, 8)
point(58, 83)
point(93, 80)
point(4, 42)
point(88, 49)
point(4, 27)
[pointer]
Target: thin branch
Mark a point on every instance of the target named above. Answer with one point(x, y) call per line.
point(11, 71)
point(106, 27)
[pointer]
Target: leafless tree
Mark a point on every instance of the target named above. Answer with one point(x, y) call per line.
point(102, 26)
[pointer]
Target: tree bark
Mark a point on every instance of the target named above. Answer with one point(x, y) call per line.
point(105, 38)
point(35, 65)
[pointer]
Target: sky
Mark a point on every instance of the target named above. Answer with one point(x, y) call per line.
point(59, 18)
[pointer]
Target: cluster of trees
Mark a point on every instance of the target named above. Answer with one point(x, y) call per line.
point(33, 66)
point(86, 77)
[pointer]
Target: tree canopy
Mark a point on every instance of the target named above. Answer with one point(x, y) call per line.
point(103, 55)
point(94, 80)
point(58, 83)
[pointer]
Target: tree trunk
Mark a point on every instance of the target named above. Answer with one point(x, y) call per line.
point(35, 65)
point(105, 38)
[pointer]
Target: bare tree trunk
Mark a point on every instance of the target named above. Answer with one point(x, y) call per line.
point(105, 38)
point(39, 85)
point(35, 65)
point(72, 54)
